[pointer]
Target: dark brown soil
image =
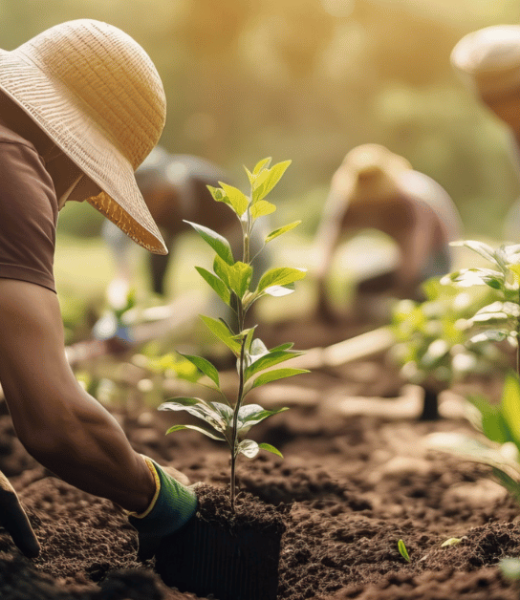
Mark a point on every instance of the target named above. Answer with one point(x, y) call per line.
point(350, 486)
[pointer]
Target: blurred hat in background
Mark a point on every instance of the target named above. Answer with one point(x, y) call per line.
point(370, 172)
point(488, 60)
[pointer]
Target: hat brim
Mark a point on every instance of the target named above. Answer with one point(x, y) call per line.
point(63, 117)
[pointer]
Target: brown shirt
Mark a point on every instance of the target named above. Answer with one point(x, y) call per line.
point(28, 213)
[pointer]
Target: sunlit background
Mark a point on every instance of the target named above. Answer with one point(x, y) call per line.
point(306, 80)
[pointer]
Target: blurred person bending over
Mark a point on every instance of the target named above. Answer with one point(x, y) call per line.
point(174, 188)
point(81, 106)
point(377, 189)
point(488, 62)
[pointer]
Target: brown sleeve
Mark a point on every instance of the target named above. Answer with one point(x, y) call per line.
point(28, 216)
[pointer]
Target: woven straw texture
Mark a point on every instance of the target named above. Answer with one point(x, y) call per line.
point(98, 96)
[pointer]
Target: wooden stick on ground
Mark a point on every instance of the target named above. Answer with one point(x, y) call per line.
point(356, 348)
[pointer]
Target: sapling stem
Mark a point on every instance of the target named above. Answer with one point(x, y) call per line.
point(240, 394)
point(232, 281)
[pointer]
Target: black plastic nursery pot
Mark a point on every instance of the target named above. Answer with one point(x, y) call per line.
point(231, 556)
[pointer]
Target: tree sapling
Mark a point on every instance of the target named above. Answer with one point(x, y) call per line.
point(229, 421)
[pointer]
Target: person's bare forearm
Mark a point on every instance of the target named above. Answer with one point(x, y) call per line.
point(82, 443)
point(63, 427)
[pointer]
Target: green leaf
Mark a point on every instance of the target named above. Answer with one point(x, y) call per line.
point(275, 375)
point(510, 407)
point(205, 366)
point(282, 347)
point(262, 209)
point(491, 335)
point(252, 414)
point(270, 448)
point(237, 199)
point(248, 448)
point(236, 277)
point(485, 452)
point(280, 277)
point(198, 409)
point(242, 274)
point(281, 230)
point(484, 250)
point(207, 432)
point(225, 412)
point(268, 179)
point(269, 360)
point(512, 486)
point(250, 175)
point(219, 195)
point(491, 421)
point(497, 311)
point(261, 165)
point(471, 277)
point(217, 284)
point(215, 240)
point(403, 551)
point(220, 329)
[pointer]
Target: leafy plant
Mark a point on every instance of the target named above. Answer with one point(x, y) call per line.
point(229, 421)
point(433, 338)
point(500, 319)
point(401, 546)
point(499, 446)
point(496, 321)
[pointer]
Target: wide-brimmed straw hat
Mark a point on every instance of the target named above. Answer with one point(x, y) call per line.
point(96, 93)
point(488, 60)
point(370, 172)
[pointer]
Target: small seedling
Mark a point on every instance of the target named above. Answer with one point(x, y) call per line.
point(403, 551)
point(230, 421)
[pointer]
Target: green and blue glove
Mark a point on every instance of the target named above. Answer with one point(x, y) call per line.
point(172, 506)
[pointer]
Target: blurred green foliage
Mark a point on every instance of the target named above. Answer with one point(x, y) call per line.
point(433, 337)
point(312, 79)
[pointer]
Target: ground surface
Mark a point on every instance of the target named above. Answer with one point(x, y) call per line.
point(355, 479)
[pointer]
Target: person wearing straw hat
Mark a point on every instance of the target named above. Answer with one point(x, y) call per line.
point(81, 106)
point(488, 63)
point(377, 189)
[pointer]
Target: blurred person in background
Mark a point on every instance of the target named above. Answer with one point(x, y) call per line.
point(174, 187)
point(377, 189)
point(81, 106)
point(488, 62)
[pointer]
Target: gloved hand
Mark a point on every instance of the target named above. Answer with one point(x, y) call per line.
point(171, 508)
point(15, 521)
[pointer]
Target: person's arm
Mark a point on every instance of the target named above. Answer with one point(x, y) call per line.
point(59, 424)
point(325, 244)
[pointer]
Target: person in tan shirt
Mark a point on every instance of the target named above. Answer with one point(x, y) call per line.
point(376, 189)
point(81, 106)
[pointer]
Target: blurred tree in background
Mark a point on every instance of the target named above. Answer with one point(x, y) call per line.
point(309, 80)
